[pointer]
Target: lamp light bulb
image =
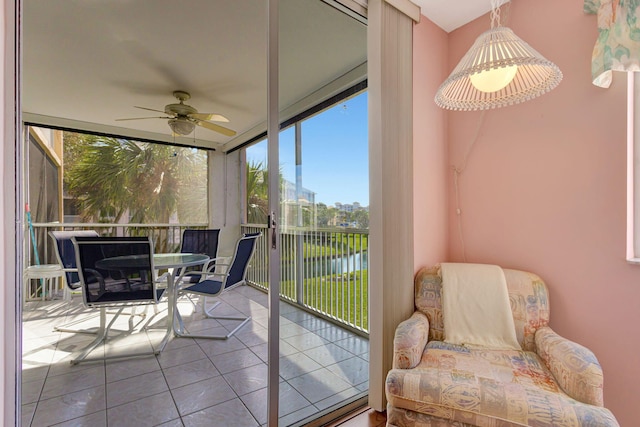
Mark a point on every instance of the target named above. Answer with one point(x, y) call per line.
point(494, 79)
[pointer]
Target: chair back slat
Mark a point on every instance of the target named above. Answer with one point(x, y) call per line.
point(66, 254)
point(244, 250)
point(116, 270)
point(197, 241)
point(200, 242)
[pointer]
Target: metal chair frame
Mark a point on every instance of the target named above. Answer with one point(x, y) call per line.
point(117, 300)
point(66, 256)
point(234, 275)
point(198, 241)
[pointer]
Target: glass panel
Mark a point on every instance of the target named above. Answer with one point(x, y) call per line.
point(323, 167)
point(111, 183)
point(120, 180)
point(288, 166)
point(43, 200)
point(256, 183)
point(335, 165)
point(216, 52)
point(335, 159)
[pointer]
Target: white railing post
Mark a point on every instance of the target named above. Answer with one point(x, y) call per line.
point(329, 278)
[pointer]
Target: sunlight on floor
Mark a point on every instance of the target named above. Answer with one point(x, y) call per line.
point(192, 382)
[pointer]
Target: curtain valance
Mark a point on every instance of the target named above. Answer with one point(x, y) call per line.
point(618, 44)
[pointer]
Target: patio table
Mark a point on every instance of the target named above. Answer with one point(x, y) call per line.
point(174, 262)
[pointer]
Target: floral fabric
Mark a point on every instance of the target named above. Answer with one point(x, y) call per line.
point(575, 367)
point(618, 45)
point(409, 341)
point(553, 382)
point(398, 417)
point(483, 387)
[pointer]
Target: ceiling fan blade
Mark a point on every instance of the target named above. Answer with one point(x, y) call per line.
point(216, 128)
point(149, 109)
point(142, 118)
point(210, 116)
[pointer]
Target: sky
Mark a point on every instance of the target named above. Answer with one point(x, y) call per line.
point(335, 160)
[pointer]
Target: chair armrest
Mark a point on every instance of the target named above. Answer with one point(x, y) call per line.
point(574, 367)
point(410, 340)
point(162, 280)
point(217, 261)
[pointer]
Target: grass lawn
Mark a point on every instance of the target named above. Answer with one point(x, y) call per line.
point(344, 297)
point(341, 296)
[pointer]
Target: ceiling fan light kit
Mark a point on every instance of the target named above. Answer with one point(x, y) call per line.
point(499, 70)
point(183, 118)
point(181, 126)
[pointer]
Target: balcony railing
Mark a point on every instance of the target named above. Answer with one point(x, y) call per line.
point(325, 271)
point(166, 237)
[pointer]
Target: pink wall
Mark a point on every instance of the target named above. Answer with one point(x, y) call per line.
point(544, 191)
point(430, 145)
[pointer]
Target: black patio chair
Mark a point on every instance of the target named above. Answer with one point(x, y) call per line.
point(199, 242)
point(115, 272)
point(214, 282)
point(66, 256)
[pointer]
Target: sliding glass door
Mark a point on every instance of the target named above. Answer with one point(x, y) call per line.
point(320, 176)
point(306, 349)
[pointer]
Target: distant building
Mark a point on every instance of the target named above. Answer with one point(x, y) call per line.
point(350, 215)
point(345, 207)
point(298, 205)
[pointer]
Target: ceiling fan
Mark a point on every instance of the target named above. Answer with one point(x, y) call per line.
point(183, 118)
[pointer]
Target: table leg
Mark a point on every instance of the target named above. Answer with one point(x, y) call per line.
point(170, 311)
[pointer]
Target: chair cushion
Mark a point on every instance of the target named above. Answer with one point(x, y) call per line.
point(482, 387)
point(209, 287)
point(191, 277)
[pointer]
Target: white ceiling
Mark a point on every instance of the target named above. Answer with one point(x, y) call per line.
point(452, 14)
point(87, 63)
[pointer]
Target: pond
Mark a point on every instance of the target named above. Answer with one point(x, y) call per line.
point(326, 266)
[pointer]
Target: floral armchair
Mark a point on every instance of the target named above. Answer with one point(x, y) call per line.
point(552, 382)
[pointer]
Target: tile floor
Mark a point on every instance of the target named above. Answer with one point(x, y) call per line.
point(192, 382)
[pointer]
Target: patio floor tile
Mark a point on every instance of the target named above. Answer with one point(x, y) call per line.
point(193, 382)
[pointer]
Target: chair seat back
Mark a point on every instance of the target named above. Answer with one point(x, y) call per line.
point(116, 270)
point(66, 254)
point(244, 251)
point(528, 296)
point(200, 242)
point(197, 241)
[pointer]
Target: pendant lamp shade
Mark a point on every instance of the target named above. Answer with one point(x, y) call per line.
point(499, 70)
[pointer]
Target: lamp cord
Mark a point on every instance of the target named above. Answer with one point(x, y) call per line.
point(496, 12)
point(457, 171)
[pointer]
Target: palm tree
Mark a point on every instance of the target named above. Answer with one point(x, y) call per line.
point(257, 193)
point(112, 176)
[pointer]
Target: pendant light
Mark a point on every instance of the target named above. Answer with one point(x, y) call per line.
point(499, 70)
